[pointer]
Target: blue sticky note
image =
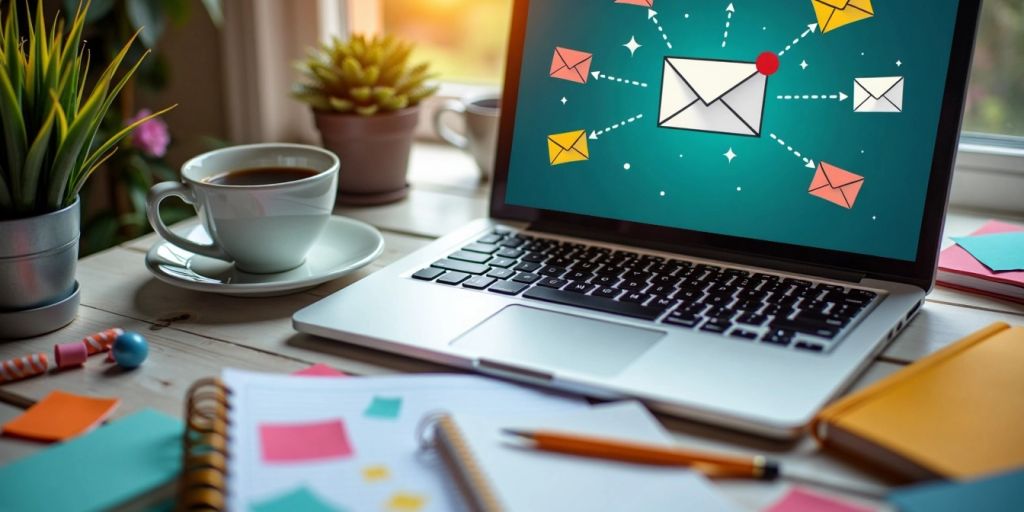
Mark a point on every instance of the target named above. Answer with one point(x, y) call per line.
point(384, 408)
point(128, 459)
point(994, 494)
point(299, 500)
point(1000, 252)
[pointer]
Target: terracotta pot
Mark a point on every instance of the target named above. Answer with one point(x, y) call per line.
point(374, 153)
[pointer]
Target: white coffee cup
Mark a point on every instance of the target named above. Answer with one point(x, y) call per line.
point(480, 137)
point(263, 229)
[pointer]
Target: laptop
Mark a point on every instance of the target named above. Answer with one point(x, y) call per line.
point(724, 213)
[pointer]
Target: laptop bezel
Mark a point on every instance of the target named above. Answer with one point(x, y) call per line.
point(920, 272)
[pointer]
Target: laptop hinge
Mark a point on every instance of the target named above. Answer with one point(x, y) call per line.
point(781, 265)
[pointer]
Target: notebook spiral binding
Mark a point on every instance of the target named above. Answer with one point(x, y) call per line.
point(448, 442)
point(203, 481)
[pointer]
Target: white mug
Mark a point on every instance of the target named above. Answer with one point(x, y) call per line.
point(263, 229)
point(480, 137)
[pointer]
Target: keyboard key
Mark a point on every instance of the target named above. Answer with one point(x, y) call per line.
point(453, 278)
point(607, 292)
point(632, 286)
point(502, 262)
point(479, 282)
point(683, 319)
point(472, 257)
point(501, 273)
point(428, 274)
point(534, 257)
point(810, 347)
point(553, 271)
point(578, 276)
point(553, 282)
point(752, 319)
point(461, 266)
point(778, 337)
point(742, 334)
point(526, 266)
point(508, 252)
point(490, 239)
point(512, 242)
point(481, 248)
point(663, 302)
point(718, 325)
point(813, 329)
point(636, 297)
point(580, 287)
point(594, 303)
point(526, 277)
point(508, 287)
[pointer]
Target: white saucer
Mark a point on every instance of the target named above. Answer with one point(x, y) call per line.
point(345, 246)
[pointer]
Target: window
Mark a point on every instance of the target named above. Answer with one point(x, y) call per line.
point(996, 96)
point(465, 40)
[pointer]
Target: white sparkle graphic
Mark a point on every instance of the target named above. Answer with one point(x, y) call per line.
point(627, 166)
point(565, 100)
point(804, 64)
point(730, 155)
point(874, 217)
point(899, 63)
point(686, 15)
point(632, 46)
point(662, 193)
point(739, 189)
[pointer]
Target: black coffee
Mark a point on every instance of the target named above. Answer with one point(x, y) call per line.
point(262, 176)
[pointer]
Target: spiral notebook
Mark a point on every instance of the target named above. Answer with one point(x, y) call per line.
point(270, 443)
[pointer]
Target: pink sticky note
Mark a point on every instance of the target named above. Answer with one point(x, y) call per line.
point(319, 370)
point(300, 442)
point(799, 500)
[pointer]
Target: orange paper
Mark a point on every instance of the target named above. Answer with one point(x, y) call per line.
point(61, 415)
point(641, 3)
point(836, 185)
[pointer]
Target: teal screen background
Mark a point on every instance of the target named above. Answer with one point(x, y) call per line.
point(763, 193)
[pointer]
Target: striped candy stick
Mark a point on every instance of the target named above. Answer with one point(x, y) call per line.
point(101, 341)
point(23, 367)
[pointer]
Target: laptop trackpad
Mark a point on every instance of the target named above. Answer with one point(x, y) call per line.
point(557, 341)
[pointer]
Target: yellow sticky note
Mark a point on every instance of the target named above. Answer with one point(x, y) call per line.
point(376, 473)
point(406, 502)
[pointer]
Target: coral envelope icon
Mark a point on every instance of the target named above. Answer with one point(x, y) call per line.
point(836, 185)
point(571, 65)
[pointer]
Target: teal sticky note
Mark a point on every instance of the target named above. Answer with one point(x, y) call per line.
point(382, 407)
point(992, 494)
point(300, 499)
point(127, 459)
point(1000, 252)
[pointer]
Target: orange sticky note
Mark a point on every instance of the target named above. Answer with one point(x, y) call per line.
point(61, 415)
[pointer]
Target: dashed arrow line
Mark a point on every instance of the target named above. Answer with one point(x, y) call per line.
point(599, 76)
point(812, 28)
point(653, 16)
point(728, 23)
point(841, 97)
point(809, 162)
point(595, 134)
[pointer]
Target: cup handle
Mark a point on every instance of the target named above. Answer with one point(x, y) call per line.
point(450, 136)
point(162, 191)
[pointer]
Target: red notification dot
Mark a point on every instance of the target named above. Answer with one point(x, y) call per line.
point(767, 63)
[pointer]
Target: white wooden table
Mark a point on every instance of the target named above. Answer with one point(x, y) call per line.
point(194, 335)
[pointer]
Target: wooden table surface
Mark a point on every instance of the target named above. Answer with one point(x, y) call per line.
point(194, 335)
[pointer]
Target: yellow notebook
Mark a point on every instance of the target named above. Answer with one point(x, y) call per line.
point(956, 414)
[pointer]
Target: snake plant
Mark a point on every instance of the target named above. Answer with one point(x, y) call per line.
point(365, 76)
point(49, 117)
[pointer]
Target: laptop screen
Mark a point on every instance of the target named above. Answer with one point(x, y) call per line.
point(810, 122)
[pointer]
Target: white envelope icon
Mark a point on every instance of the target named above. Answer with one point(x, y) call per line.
point(712, 96)
point(882, 94)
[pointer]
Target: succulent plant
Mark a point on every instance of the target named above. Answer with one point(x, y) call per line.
point(365, 76)
point(49, 116)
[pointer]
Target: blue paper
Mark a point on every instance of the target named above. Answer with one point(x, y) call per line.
point(107, 467)
point(1000, 252)
point(993, 494)
point(299, 500)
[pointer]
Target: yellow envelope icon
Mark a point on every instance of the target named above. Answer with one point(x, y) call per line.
point(833, 14)
point(568, 147)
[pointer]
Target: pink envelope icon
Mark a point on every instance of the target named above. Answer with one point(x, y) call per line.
point(641, 3)
point(836, 185)
point(571, 65)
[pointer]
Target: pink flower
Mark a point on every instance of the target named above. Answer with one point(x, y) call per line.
point(152, 136)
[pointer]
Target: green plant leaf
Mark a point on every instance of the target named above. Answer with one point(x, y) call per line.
point(147, 16)
point(367, 110)
point(119, 136)
point(6, 204)
point(29, 194)
point(15, 138)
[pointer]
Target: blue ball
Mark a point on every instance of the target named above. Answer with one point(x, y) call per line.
point(130, 350)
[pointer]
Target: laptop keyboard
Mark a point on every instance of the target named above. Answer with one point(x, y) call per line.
point(732, 302)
